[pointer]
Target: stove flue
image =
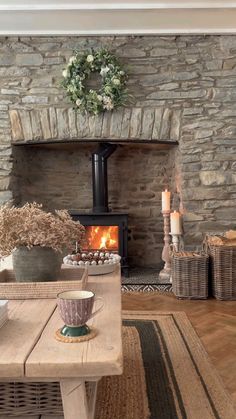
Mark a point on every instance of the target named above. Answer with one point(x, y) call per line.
point(99, 174)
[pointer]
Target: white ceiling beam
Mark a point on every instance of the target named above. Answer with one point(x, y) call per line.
point(94, 17)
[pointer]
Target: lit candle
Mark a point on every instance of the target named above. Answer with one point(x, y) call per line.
point(175, 227)
point(165, 200)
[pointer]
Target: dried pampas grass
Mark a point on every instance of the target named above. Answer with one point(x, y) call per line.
point(31, 226)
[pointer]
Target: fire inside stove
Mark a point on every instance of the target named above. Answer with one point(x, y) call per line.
point(102, 237)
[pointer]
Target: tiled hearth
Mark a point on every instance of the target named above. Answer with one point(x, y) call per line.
point(183, 91)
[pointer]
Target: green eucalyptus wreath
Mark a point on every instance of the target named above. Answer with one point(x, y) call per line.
point(112, 92)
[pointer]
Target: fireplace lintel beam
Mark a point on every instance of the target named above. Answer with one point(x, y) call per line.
point(71, 142)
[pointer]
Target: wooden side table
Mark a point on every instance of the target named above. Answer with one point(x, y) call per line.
point(29, 351)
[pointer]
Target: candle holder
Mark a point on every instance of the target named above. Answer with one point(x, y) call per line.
point(164, 275)
point(176, 241)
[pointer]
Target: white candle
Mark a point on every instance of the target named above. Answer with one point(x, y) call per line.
point(165, 200)
point(175, 227)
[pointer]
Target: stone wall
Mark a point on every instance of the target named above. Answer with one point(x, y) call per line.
point(183, 87)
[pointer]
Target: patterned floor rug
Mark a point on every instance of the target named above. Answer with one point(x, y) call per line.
point(167, 374)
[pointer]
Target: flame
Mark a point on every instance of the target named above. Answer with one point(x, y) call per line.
point(102, 237)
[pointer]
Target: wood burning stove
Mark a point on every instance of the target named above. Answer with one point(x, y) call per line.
point(108, 220)
point(104, 229)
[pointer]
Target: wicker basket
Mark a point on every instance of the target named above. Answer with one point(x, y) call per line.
point(190, 275)
point(70, 278)
point(223, 271)
point(31, 399)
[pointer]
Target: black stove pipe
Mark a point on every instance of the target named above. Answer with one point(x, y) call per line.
point(99, 174)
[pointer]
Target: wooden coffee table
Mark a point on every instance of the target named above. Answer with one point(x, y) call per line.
point(29, 351)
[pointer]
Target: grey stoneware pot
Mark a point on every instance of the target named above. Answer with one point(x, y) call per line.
point(37, 264)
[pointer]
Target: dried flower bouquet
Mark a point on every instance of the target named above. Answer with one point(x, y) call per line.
point(31, 226)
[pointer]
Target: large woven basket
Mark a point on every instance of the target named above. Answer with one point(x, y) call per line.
point(190, 275)
point(31, 399)
point(223, 271)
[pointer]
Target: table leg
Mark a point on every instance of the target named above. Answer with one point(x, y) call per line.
point(92, 395)
point(78, 402)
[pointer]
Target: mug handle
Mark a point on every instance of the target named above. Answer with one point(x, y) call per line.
point(99, 309)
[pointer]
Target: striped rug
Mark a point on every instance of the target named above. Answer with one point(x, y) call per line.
point(167, 374)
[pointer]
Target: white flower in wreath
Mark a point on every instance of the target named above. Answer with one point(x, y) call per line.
point(116, 82)
point(90, 58)
point(72, 60)
point(100, 98)
point(78, 102)
point(106, 99)
point(108, 104)
point(65, 73)
point(122, 73)
point(104, 71)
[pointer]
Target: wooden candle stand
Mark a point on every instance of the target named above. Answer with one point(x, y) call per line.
point(164, 275)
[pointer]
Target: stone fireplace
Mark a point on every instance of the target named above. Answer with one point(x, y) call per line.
point(182, 113)
point(61, 174)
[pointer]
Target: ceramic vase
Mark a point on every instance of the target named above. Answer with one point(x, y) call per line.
point(37, 264)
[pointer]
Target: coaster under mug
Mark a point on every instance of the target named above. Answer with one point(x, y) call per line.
point(86, 333)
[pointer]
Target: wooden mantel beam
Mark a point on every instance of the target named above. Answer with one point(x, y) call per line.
point(101, 17)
